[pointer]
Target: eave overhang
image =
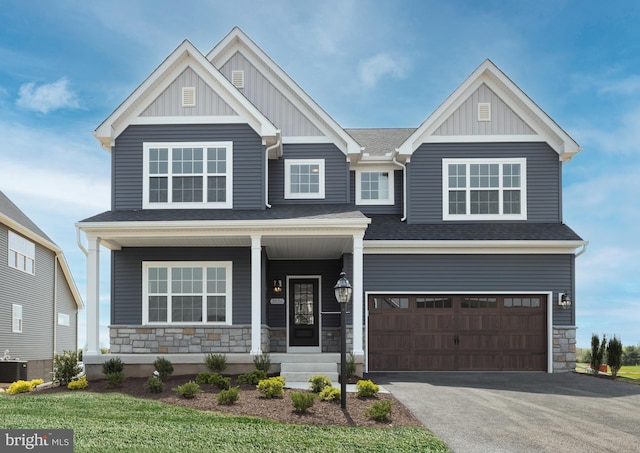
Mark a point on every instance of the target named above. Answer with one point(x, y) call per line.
point(474, 247)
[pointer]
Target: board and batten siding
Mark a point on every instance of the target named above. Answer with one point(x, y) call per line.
point(126, 280)
point(35, 294)
point(271, 102)
point(66, 336)
point(372, 209)
point(248, 160)
point(474, 273)
point(336, 173)
point(424, 177)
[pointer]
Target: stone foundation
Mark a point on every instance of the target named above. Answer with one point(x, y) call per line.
point(564, 348)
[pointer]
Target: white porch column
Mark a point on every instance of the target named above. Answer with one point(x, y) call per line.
point(256, 305)
point(358, 288)
point(93, 296)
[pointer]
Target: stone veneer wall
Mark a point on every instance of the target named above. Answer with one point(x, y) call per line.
point(564, 348)
point(330, 339)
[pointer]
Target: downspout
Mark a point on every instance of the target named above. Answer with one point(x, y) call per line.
point(55, 304)
point(404, 187)
point(584, 249)
point(266, 171)
point(84, 250)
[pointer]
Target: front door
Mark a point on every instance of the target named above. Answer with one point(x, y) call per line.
point(304, 312)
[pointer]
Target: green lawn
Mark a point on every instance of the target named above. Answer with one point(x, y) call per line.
point(114, 422)
point(630, 372)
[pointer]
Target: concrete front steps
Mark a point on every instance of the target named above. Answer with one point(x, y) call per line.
point(301, 369)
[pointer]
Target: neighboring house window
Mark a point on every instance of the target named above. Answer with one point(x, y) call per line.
point(16, 318)
point(64, 319)
point(187, 292)
point(188, 175)
point(22, 253)
point(374, 187)
point(304, 178)
point(484, 189)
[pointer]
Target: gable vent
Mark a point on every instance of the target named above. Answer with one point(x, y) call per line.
point(237, 78)
point(484, 111)
point(189, 96)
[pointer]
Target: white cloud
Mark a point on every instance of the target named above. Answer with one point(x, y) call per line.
point(380, 65)
point(47, 97)
point(622, 138)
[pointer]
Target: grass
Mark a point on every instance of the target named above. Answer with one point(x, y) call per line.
point(114, 422)
point(632, 372)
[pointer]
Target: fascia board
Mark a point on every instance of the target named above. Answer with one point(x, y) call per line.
point(471, 247)
point(237, 40)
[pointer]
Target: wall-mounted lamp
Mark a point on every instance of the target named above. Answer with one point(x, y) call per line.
point(564, 301)
point(277, 286)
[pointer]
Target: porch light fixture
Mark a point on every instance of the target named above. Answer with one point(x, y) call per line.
point(277, 286)
point(343, 294)
point(564, 301)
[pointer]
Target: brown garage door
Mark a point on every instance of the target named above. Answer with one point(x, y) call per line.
point(465, 332)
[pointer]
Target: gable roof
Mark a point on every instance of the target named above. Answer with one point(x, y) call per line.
point(183, 57)
point(16, 220)
point(544, 128)
point(238, 41)
point(380, 142)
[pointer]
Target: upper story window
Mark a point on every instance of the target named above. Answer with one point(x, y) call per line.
point(484, 189)
point(374, 187)
point(304, 178)
point(187, 292)
point(22, 253)
point(188, 175)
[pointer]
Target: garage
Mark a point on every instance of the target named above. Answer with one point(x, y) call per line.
point(416, 332)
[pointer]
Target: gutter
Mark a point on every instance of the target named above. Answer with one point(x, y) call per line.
point(404, 185)
point(585, 244)
point(266, 170)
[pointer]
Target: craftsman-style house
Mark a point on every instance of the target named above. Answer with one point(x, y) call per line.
point(237, 201)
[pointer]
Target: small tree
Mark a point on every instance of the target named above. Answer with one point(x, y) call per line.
point(65, 367)
point(597, 352)
point(614, 355)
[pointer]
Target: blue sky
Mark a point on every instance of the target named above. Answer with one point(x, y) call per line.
point(66, 65)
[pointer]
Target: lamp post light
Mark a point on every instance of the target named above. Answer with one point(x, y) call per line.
point(343, 294)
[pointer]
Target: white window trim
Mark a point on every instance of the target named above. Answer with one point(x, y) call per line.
point(64, 319)
point(473, 217)
point(21, 247)
point(228, 265)
point(228, 204)
point(287, 179)
point(16, 316)
point(390, 200)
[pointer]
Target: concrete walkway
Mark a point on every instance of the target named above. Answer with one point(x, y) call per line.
point(521, 412)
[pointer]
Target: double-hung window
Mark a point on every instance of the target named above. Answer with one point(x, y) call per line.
point(304, 178)
point(374, 187)
point(187, 292)
point(22, 253)
point(484, 189)
point(16, 318)
point(188, 175)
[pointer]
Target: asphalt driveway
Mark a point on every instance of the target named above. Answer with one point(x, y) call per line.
point(521, 412)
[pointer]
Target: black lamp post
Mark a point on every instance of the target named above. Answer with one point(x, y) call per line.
point(343, 294)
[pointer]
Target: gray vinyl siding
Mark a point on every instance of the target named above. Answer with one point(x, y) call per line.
point(126, 281)
point(424, 177)
point(35, 294)
point(208, 103)
point(474, 273)
point(464, 121)
point(270, 100)
point(329, 270)
point(395, 208)
point(248, 160)
point(335, 168)
point(66, 336)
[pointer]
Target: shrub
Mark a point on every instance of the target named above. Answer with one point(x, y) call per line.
point(203, 378)
point(80, 354)
point(216, 363)
point(65, 367)
point(351, 365)
point(115, 378)
point(367, 388)
point(20, 387)
point(302, 401)
point(113, 365)
point(78, 384)
point(597, 352)
point(379, 411)
point(163, 367)
point(228, 396)
point(330, 394)
point(319, 382)
point(36, 382)
point(188, 390)
point(272, 387)
point(251, 378)
point(614, 355)
point(154, 385)
point(262, 361)
point(223, 383)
